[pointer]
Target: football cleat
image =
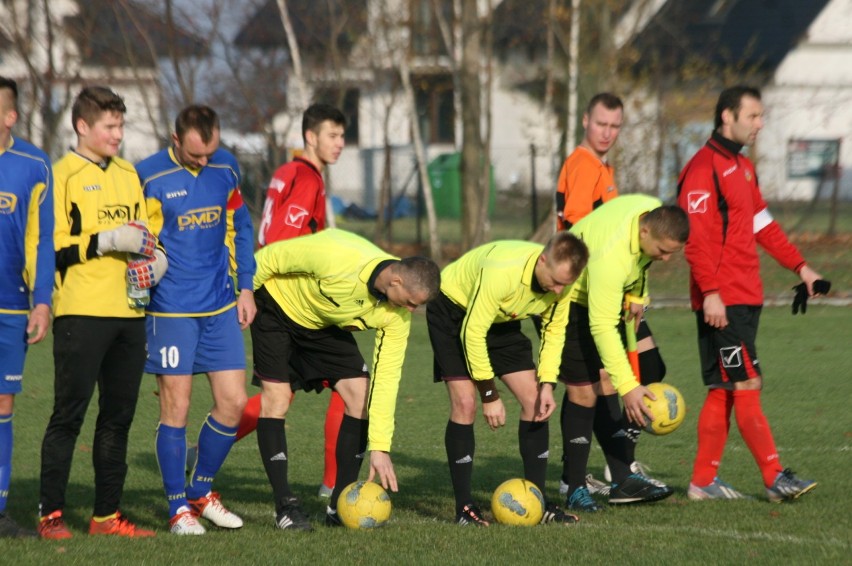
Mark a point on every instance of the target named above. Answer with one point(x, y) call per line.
point(716, 490)
point(594, 485)
point(11, 529)
point(332, 519)
point(118, 525)
point(210, 507)
point(638, 489)
point(581, 500)
point(788, 486)
point(291, 517)
point(185, 523)
point(471, 515)
point(52, 527)
point(554, 514)
point(636, 467)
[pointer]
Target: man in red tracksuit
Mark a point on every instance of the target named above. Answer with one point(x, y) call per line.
point(718, 189)
point(295, 205)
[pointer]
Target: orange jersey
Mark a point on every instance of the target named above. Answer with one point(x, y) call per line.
point(585, 183)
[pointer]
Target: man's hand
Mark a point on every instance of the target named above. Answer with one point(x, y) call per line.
point(134, 237)
point(812, 285)
point(635, 312)
point(38, 322)
point(715, 313)
point(380, 463)
point(495, 414)
point(634, 408)
point(545, 404)
point(246, 309)
point(146, 272)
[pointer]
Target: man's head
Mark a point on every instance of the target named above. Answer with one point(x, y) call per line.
point(563, 259)
point(322, 130)
point(602, 122)
point(739, 114)
point(663, 232)
point(196, 136)
point(97, 116)
point(8, 108)
point(414, 281)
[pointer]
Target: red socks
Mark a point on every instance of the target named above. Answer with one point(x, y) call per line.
point(248, 422)
point(713, 426)
point(333, 418)
point(755, 430)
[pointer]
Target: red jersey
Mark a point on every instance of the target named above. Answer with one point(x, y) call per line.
point(295, 203)
point(728, 217)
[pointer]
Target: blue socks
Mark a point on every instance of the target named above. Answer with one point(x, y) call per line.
point(214, 443)
point(5, 458)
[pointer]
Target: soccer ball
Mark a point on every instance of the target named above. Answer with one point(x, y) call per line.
point(364, 505)
point(517, 502)
point(668, 410)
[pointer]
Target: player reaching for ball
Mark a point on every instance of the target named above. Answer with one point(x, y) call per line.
point(728, 219)
point(475, 330)
point(624, 237)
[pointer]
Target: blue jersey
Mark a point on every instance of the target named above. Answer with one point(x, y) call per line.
point(27, 257)
point(205, 228)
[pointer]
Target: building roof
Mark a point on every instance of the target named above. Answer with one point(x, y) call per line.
point(312, 24)
point(126, 33)
point(724, 33)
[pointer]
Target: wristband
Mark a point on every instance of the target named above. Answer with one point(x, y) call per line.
point(487, 390)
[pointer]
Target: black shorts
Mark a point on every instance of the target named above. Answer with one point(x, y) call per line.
point(286, 352)
point(509, 350)
point(729, 355)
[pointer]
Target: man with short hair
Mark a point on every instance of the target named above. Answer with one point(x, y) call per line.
point(195, 316)
point(624, 237)
point(312, 292)
point(587, 181)
point(475, 330)
point(98, 332)
point(729, 218)
point(27, 264)
point(296, 205)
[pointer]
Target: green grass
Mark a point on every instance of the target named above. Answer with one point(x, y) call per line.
point(806, 400)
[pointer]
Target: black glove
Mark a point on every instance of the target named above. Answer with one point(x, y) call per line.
point(800, 301)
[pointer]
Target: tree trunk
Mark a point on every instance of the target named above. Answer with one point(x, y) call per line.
point(472, 154)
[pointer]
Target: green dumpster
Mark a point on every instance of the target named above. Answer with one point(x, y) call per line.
point(445, 177)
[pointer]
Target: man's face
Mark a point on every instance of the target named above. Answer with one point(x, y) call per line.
point(401, 297)
point(658, 249)
point(602, 126)
point(192, 152)
point(101, 140)
point(326, 144)
point(743, 127)
point(554, 277)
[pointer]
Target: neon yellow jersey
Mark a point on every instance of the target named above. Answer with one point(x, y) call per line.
point(616, 266)
point(494, 283)
point(322, 280)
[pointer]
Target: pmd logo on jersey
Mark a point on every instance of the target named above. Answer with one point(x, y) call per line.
point(8, 203)
point(115, 214)
point(200, 218)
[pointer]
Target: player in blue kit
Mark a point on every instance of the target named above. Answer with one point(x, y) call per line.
point(193, 322)
point(26, 267)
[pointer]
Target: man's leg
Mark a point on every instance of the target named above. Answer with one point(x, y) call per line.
point(175, 394)
point(577, 424)
point(352, 440)
point(333, 421)
point(460, 443)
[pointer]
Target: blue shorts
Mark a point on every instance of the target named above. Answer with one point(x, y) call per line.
point(13, 349)
point(188, 345)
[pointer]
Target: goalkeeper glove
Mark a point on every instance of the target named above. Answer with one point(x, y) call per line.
point(133, 237)
point(800, 301)
point(146, 272)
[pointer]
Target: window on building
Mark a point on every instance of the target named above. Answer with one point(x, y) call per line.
point(435, 109)
point(426, 38)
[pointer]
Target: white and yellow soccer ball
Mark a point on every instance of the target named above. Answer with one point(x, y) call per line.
point(517, 502)
point(364, 505)
point(669, 409)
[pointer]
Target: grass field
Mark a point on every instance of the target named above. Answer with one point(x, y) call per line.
point(806, 399)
